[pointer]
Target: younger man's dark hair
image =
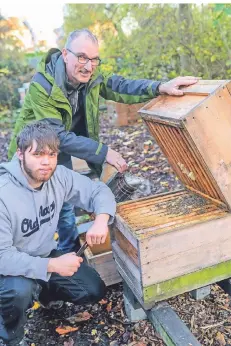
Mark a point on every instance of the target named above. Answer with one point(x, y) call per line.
point(42, 133)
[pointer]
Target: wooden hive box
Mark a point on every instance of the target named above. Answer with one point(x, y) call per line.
point(100, 257)
point(172, 243)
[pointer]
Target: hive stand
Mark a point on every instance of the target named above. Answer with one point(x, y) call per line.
point(164, 319)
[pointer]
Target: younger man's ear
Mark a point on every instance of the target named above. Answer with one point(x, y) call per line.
point(19, 154)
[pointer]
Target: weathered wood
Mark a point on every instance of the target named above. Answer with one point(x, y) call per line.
point(210, 128)
point(108, 173)
point(123, 227)
point(186, 283)
point(104, 264)
point(80, 166)
point(127, 247)
point(181, 252)
point(197, 149)
point(131, 272)
point(170, 327)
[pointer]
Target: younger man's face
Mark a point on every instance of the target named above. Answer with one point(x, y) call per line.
point(38, 166)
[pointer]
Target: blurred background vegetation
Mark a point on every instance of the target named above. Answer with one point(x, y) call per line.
point(154, 41)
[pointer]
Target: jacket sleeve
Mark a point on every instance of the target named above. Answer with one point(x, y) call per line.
point(119, 89)
point(13, 262)
point(77, 146)
point(92, 196)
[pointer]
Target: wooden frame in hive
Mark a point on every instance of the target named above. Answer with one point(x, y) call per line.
point(171, 243)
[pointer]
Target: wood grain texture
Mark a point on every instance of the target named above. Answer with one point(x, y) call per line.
point(210, 129)
point(181, 252)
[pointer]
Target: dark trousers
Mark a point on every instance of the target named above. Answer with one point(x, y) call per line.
point(67, 229)
point(17, 294)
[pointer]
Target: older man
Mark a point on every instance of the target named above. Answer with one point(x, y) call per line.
point(65, 94)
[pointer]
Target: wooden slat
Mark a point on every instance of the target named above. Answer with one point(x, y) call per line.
point(210, 128)
point(124, 228)
point(180, 252)
point(128, 271)
point(127, 247)
point(156, 216)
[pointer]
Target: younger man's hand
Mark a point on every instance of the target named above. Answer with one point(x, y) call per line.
point(65, 265)
point(97, 233)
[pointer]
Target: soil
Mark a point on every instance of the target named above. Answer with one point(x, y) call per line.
point(208, 319)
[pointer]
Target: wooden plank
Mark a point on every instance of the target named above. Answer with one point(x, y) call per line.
point(171, 288)
point(105, 265)
point(129, 280)
point(128, 267)
point(172, 108)
point(124, 228)
point(127, 247)
point(210, 128)
point(170, 327)
point(80, 166)
point(200, 89)
point(185, 251)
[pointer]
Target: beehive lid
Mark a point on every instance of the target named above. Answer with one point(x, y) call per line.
point(174, 108)
point(194, 131)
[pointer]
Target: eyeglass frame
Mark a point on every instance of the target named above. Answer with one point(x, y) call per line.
point(88, 59)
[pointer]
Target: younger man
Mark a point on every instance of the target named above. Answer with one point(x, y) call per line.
point(32, 191)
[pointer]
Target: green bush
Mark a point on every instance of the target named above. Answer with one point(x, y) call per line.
point(12, 76)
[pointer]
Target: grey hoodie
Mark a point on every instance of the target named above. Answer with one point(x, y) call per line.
point(29, 217)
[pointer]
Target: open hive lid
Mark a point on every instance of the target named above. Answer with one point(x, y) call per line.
point(194, 133)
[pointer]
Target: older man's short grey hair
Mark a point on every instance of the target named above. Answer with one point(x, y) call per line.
point(75, 34)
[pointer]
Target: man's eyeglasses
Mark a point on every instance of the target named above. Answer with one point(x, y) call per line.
point(84, 60)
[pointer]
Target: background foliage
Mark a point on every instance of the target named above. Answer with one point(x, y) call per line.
point(155, 41)
point(159, 41)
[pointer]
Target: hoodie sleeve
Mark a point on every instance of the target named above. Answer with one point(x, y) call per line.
point(13, 262)
point(92, 196)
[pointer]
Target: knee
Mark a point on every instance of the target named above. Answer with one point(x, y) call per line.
point(97, 290)
point(17, 292)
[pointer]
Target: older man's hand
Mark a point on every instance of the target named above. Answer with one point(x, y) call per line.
point(172, 87)
point(116, 160)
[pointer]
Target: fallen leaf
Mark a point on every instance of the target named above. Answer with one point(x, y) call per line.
point(36, 306)
point(221, 339)
point(80, 317)
point(103, 301)
point(65, 329)
point(109, 306)
point(56, 236)
point(110, 333)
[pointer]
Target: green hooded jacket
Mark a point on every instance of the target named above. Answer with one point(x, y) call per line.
point(46, 100)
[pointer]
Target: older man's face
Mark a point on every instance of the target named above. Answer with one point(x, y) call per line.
point(82, 46)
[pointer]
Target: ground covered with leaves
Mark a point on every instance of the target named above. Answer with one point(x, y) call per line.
point(106, 323)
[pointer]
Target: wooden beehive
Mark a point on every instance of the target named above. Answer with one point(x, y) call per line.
point(171, 243)
point(101, 259)
point(194, 132)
